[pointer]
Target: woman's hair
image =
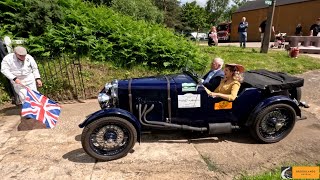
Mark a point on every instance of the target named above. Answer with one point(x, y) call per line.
point(235, 73)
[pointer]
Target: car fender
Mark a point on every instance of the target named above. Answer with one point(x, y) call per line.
point(113, 112)
point(270, 101)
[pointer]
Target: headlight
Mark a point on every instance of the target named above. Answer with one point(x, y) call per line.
point(103, 98)
point(114, 88)
point(108, 96)
point(107, 86)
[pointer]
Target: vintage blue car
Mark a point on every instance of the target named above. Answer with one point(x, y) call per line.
point(268, 103)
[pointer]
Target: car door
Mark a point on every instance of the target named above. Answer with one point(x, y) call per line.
point(190, 104)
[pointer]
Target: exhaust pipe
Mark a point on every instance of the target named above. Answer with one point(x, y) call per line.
point(145, 122)
point(221, 128)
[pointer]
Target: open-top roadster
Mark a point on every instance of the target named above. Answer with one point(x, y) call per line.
point(267, 103)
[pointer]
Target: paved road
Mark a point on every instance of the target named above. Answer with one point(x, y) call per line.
point(57, 153)
point(256, 45)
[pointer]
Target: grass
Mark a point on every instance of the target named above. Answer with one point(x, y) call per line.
point(211, 165)
point(271, 174)
point(103, 72)
point(96, 74)
point(275, 60)
point(250, 58)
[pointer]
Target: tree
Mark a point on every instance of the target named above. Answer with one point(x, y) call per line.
point(239, 3)
point(227, 15)
point(29, 17)
point(138, 9)
point(216, 9)
point(194, 16)
point(172, 13)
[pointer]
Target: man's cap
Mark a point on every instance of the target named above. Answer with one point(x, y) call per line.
point(239, 67)
point(20, 50)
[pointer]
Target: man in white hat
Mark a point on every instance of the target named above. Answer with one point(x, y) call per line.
point(22, 70)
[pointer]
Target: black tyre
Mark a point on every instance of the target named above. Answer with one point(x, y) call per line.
point(273, 123)
point(108, 138)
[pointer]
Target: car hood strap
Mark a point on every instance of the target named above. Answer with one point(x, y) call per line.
point(130, 95)
point(169, 99)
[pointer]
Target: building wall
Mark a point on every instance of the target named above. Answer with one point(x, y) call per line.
point(285, 19)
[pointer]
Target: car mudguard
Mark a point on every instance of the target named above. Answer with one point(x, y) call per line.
point(269, 101)
point(114, 112)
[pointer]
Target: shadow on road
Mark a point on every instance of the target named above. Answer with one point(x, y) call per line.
point(12, 110)
point(165, 136)
point(78, 137)
point(79, 156)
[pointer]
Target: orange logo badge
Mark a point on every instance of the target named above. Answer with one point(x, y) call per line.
point(223, 105)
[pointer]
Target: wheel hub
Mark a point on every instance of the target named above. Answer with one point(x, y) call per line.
point(279, 126)
point(275, 123)
point(110, 137)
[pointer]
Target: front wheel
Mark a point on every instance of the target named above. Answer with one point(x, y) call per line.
point(108, 138)
point(273, 123)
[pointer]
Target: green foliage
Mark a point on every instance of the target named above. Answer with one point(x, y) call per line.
point(100, 2)
point(274, 60)
point(194, 16)
point(239, 3)
point(4, 96)
point(29, 17)
point(172, 13)
point(216, 9)
point(212, 166)
point(272, 174)
point(227, 15)
point(104, 35)
point(138, 10)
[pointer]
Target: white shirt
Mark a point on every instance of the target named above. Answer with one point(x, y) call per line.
point(26, 71)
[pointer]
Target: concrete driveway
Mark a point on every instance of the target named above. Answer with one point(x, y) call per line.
point(57, 153)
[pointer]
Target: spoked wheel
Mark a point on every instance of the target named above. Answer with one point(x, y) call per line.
point(274, 123)
point(108, 138)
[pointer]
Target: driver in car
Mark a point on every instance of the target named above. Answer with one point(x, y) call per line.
point(212, 79)
point(230, 84)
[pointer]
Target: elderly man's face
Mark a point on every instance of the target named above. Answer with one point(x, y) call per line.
point(215, 65)
point(21, 57)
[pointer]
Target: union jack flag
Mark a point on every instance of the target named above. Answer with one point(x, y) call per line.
point(41, 108)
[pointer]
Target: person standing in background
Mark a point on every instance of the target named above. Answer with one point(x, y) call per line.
point(213, 37)
point(262, 29)
point(315, 28)
point(242, 30)
point(298, 30)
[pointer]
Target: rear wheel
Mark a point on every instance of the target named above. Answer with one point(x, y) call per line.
point(108, 138)
point(273, 123)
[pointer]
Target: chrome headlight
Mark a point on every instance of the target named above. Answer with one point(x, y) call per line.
point(114, 88)
point(108, 96)
point(103, 98)
point(107, 87)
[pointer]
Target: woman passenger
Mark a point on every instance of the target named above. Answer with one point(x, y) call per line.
point(230, 84)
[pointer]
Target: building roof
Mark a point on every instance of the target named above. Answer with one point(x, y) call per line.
point(259, 4)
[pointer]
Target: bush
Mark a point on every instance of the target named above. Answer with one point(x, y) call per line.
point(103, 35)
point(55, 27)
